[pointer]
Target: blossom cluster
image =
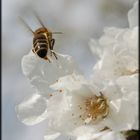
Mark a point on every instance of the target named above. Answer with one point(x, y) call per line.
point(103, 107)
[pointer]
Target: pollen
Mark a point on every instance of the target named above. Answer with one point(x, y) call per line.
point(60, 90)
point(50, 94)
point(96, 107)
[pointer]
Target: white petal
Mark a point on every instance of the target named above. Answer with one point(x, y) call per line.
point(112, 91)
point(129, 87)
point(119, 56)
point(113, 32)
point(33, 110)
point(95, 48)
point(75, 84)
point(70, 82)
point(90, 134)
point(133, 15)
point(60, 113)
point(112, 136)
point(121, 116)
point(56, 105)
point(42, 73)
point(52, 136)
point(126, 82)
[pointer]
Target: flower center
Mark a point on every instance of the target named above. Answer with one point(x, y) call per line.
point(96, 107)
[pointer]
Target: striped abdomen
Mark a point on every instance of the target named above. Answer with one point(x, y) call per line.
point(40, 45)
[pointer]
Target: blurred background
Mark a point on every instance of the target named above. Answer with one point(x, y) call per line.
point(80, 20)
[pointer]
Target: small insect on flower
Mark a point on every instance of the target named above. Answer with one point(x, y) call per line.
point(42, 40)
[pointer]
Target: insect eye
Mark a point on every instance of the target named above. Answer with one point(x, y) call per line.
point(42, 53)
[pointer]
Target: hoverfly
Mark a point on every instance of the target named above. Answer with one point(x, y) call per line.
point(42, 40)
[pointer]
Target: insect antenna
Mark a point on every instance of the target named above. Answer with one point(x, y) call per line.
point(26, 25)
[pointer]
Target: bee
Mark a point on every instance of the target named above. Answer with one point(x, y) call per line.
point(43, 41)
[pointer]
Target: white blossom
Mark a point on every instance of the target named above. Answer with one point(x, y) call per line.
point(32, 110)
point(117, 51)
point(83, 104)
point(42, 74)
point(95, 109)
point(118, 54)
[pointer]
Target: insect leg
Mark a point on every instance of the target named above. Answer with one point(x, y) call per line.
point(54, 54)
point(46, 58)
point(33, 50)
point(51, 48)
point(52, 44)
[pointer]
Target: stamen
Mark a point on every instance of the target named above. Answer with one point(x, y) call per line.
point(96, 107)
